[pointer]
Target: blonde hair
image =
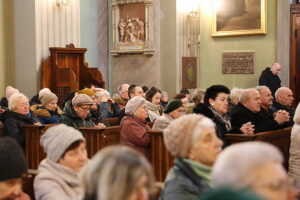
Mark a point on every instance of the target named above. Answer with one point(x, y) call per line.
point(235, 94)
point(12, 102)
point(114, 172)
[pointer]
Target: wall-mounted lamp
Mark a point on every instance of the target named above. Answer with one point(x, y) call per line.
point(63, 2)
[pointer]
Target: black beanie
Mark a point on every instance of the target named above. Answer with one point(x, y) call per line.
point(173, 105)
point(12, 160)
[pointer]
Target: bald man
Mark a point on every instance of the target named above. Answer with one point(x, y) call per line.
point(283, 101)
point(269, 77)
point(249, 110)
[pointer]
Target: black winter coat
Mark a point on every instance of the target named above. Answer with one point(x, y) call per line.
point(241, 115)
point(13, 125)
point(267, 78)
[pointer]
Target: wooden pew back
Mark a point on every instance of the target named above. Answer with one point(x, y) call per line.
point(96, 138)
point(160, 158)
point(280, 138)
point(28, 183)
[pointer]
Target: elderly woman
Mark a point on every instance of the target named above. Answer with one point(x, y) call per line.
point(153, 97)
point(66, 155)
point(117, 172)
point(173, 110)
point(234, 97)
point(259, 169)
point(192, 140)
point(134, 126)
point(216, 107)
point(294, 161)
point(48, 112)
point(18, 114)
point(77, 114)
point(108, 108)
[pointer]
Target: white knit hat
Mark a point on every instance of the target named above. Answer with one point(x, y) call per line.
point(57, 139)
point(133, 104)
point(10, 91)
point(43, 91)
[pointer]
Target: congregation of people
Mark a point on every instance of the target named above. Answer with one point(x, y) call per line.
point(194, 125)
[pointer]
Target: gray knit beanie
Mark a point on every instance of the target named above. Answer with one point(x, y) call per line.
point(133, 104)
point(57, 139)
point(47, 98)
point(179, 135)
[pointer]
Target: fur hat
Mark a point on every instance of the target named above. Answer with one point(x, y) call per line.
point(12, 160)
point(10, 91)
point(47, 98)
point(44, 91)
point(178, 135)
point(82, 99)
point(173, 105)
point(133, 104)
point(57, 139)
point(87, 91)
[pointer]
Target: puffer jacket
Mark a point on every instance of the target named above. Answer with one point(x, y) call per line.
point(46, 116)
point(162, 122)
point(70, 118)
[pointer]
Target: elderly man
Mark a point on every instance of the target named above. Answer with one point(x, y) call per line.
point(269, 77)
point(122, 97)
point(77, 114)
point(133, 90)
point(259, 169)
point(248, 110)
point(283, 101)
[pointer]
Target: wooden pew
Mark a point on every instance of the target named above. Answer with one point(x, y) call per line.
point(96, 138)
point(112, 121)
point(280, 138)
point(28, 183)
point(160, 158)
point(1, 129)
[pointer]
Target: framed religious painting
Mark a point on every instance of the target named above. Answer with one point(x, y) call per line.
point(239, 17)
point(132, 27)
point(189, 72)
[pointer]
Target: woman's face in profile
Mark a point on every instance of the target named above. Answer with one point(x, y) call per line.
point(141, 191)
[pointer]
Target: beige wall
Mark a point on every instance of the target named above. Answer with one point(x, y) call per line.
point(212, 48)
point(6, 46)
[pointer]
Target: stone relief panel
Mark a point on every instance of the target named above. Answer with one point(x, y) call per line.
point(132, 27)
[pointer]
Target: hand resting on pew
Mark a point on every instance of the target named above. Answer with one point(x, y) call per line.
point(281, 116)
point(100, 125)
point(37, 124)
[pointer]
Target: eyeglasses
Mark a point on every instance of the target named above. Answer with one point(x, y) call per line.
point(85, 108)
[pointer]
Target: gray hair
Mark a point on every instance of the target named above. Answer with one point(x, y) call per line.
point(114, 172)
point(245, 95)
point(250, 156)
point(235, 94)
point(12, 102)
point(102, 93)
point(279, 91)
point(121, 87)
point(261, 87)
point(198, 96)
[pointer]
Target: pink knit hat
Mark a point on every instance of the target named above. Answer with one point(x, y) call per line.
point(179, 135)
point(10, 91)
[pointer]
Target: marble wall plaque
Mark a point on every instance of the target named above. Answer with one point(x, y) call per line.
point(238, 63)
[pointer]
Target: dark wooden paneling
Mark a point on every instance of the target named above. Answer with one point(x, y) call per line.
point(280, 138)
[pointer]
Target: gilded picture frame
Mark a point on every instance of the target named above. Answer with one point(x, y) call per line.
point(239, 17)
point(132, 27)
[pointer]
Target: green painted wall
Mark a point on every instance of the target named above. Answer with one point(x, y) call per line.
point(210, 71)
point(7, 67)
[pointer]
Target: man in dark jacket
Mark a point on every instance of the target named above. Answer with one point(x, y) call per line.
point(269, 77)
point(283, 101)
point(249, 110)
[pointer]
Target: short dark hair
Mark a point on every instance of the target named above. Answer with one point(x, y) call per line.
point(184, 91)
point(72, 146)
point(145, 88)
point(131, 90)
point(201, 108)
point(179, 96)
point(213, 91)
point(151, 92)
